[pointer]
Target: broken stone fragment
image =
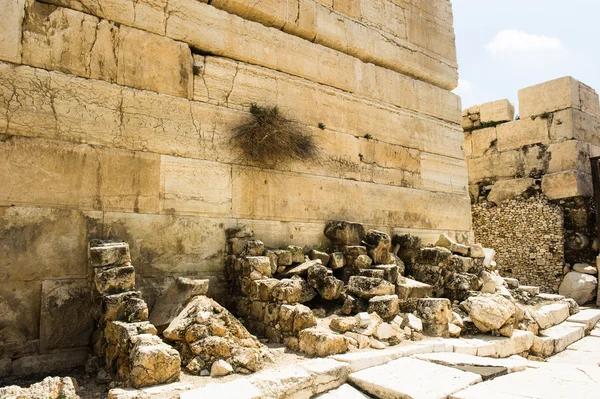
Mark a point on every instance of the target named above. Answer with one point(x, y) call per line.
point(579, 286)
point(316, 274)
point(273, 258)
point(287, 291)
point(362, 262)
point(239, 232)
point(385, 306)
point(489, 312)
point(256, 267)
point(220, 368)
point(321, 343)
point(153, 362)
point(406, 247)
point(446, 242)
point(407, 288)
point(476, 251)
point(302, 269)
point(372, 273)
point(384, 331)
point(126, 306)
point(434, 256)
point(262, 290)
point(367, 287)
point(120, 334)
point(390, 272)
point(455, 330)
point(284, 257)
point(343, 324)
point(411, 321)
point(297, 253)
point(585, 268)
point(461, 264)
point(435, 314)
point(108, 253)
point(337, 260)
point(169, 305)
point(344, 233)
point(362, 341)
point(112, 280)
point(349, 305)
point(307, 293)
point(323, 256)
point(352, 252)
point(458, 286)
point(255, 248)
point(379, 246)
point(331, 289)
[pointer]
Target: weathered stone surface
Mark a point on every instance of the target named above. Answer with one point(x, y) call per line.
point(302, 269)
point(446, 242)
point(497, 111)
point(407, 288)
point(343, 324)
point(66, 320)
point(385, 306)
point(337, 260)
point(549, 315)
point(112, 280)
point(589, 317)
point(169, 305)
point(579, 286)
point(108, 253)
point(555, 339)
point(10, 30)
point(392, 381)
point(220, 368)
point(435, 314)
point(557, 95)
point(49, 363)
point(367, 287)
point(322, 343)
point(345, 233)
point(585, 268)
point(153, 362)
point(379, 246)
point(324, 257)
point(284, 257)
point(490, 312)
point(509, 189)
point(49, 388)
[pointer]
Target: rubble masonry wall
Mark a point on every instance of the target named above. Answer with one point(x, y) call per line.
point(115, 122)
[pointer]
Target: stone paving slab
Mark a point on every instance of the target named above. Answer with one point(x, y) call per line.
point(587, 344)
point(512, 364)
point(346, 391)
point(576, 358)
point(236, 389)
point(589, 317)
point(595, 332)
point(556, 339)
point(412, 378)
point(542, 383)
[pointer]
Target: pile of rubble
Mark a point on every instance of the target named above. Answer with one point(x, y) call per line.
point(48, 388)
point(125, 340)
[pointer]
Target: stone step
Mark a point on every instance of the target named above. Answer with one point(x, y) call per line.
point(541, 383)
point(550, 315)
point(412, 378)
point(587, 344)
point(487, 346)
point(346, 391)
point(555, 339)
point(302, 380)
point(512, 364)
point(589, 317)
point(363, 360)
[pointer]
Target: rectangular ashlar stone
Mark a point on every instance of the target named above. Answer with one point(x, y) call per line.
point(196, 187)
point(320, 199)
point(13, 12)
point(497, 111)
point(556, 95)
point(485, 141)
point(567, 184)
point(571, 155)
point(61, 174)
point(572, 123)
point(70, 41)
point(526, 131)
point(439, 173)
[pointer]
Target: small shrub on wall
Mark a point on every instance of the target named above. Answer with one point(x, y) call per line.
point(269, 138)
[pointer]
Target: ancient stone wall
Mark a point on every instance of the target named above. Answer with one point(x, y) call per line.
point(528, 237)
point(543, 155)
point(115, 121)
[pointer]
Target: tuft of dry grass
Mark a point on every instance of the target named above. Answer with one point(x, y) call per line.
point(270, 138)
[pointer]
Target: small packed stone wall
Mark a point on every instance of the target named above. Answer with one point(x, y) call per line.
point(528, 237)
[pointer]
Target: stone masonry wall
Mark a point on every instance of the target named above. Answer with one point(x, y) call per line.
point(528, 237)
point(115, 119)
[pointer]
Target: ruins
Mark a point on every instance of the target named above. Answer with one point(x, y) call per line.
point(280, 200)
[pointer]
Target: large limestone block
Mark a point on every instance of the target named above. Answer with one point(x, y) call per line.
point(572, 123)
point(392, 380)
point(19, 317)
point(253, 43)
point(56, 173)
point(442, 173)
point(579, 286)
point(484, 141)
point(153, 362)
point(140, 66)
point(516, 134)
point(556, 95)
point(237, 84)
point(571, 183)
point(547, 316)
point(148, 15)
point(508, 189)
point(44, 243)
point(571, 155)
point(80, 44)
point(437, 38)
point(13, 12)
point(311, 199)
point(66, 319)
point(195, 187)
point(497, 111)
point(506, 164)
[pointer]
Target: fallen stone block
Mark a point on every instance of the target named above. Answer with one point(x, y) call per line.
point(490, 312)
point(435, 313)
point(530, 289)
point(322, 256)
point(445, 242)
point(393, 381)
point(364, 360)
point(519, 342)
point(385, 306)
point(302, 269)
point(407, 288)
point(321, 343)
point(108, 253)
point(555, 339)
point(179, 293)
point(49, 388)
point(549, 315)
point(589, 317)
point(579, 286)
point(153, 362)
point(345, 233)
point(327, 374)
point(379, 246)
point(112, 280)
point(367, 287)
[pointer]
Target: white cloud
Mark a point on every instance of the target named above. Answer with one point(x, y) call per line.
point(514, 41)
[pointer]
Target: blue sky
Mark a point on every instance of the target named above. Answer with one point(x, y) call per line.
point(505, 45)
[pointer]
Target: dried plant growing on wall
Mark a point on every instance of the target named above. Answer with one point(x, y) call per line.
point(270, 138)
